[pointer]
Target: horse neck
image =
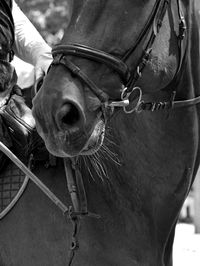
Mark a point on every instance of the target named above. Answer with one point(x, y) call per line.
point(188, 85)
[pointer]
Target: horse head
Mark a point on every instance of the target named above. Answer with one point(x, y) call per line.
point(102, 53)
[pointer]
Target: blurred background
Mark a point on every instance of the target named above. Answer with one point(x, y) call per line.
point(50, 18)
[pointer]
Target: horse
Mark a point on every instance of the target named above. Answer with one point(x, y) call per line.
point(119, 111)
point(110, 98)
point(121, 96)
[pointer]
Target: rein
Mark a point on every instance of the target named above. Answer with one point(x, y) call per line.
point(76, 190)
point(129, 77)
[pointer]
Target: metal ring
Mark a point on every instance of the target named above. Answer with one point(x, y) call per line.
point(136, 108)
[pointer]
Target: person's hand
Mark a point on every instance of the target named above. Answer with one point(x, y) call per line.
point(42, 65)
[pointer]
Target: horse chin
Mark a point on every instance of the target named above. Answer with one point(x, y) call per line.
point(60, 147)
point(95, 141)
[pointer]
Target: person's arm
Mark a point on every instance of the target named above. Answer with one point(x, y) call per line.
point(29, 44)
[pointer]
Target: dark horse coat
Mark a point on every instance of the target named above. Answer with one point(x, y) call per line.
point(139, 178)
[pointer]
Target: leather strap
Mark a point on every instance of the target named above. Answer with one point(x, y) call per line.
point(166, 105)
point(93, 54)
point(75, 186)
point(63, 60)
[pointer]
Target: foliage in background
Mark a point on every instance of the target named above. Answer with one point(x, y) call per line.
point(50, 17)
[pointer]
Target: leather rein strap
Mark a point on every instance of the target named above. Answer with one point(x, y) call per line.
point(129, 77)
point(76, 190)
point(78, 196)
point(65, 210)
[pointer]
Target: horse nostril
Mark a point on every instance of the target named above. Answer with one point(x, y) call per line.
point(69, 115)
point(72, 116)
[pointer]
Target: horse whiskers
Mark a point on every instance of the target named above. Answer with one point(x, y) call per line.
point(99, 168)
point(110, 155)
point(85, 159)
point(104, 169)
point(111, 141)
point(95, 163)
point(98, 162)
point(105, 149)
point(101, 162)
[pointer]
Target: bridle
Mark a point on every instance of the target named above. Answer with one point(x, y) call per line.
point(129, 78)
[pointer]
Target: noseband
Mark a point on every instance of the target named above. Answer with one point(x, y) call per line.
point(129, 78)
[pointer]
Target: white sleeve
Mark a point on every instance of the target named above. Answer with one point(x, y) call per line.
point(29, 44)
